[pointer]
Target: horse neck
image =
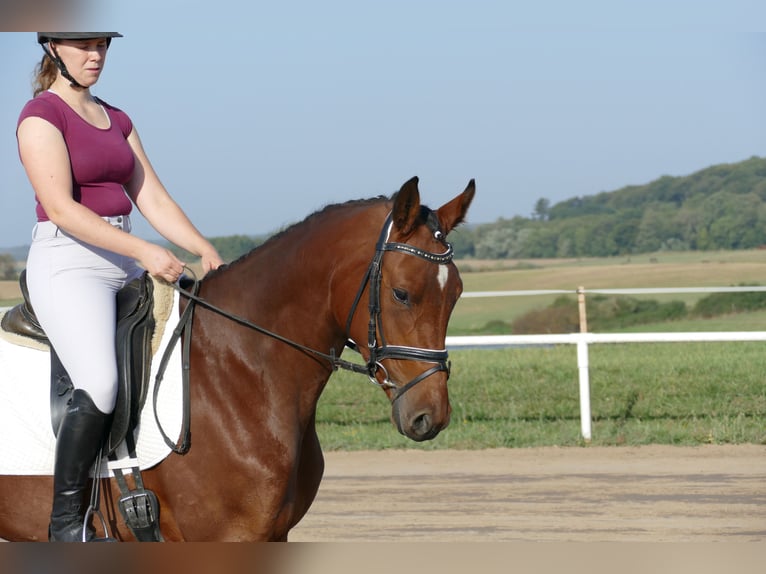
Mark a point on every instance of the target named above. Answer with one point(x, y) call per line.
point(311, 273)
point(300, 286)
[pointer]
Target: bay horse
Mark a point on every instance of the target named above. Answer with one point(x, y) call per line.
point(255, 462)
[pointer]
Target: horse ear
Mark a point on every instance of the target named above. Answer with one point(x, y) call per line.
point(406, 206)
point(452, 214)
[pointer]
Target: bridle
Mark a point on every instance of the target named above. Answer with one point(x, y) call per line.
point(377, 352)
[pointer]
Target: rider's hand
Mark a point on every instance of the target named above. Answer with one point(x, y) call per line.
point(211, 261)
point(160, 262)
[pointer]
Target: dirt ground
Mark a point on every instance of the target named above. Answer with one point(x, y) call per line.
point(9, 290)
point(594, 494)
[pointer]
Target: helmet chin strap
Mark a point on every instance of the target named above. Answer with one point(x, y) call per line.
point(60, 64)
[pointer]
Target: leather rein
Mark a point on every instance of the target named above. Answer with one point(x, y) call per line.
point(377, 352)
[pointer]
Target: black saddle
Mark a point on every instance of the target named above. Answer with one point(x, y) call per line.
point(135, 326)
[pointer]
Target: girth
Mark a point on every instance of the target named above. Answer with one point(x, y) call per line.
point(135, 326)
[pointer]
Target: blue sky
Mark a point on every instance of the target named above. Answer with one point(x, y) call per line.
point(257, 114)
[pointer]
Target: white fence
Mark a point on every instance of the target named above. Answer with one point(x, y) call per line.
point(583, 339)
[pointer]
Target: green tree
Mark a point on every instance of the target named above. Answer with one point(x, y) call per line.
point(542, 209)
point(656, 226)
point(463, 242)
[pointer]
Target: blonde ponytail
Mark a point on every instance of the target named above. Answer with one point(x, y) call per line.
point(45, 74)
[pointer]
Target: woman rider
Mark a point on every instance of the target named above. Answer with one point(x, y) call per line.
point(86, 164)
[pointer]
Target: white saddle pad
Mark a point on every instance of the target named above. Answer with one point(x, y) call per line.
point(28, 445)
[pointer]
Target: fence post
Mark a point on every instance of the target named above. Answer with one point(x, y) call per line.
point(581, 309)
point(583, 368)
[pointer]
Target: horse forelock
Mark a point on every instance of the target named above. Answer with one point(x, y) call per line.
point(430, 219)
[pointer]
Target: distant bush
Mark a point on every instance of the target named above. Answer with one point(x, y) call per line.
point(604, 314)
point(614, 313)
point(609, 313)
point(727, 303)
point(497, 327)
point(561, 317)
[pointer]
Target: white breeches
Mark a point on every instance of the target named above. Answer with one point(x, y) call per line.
point(72, 288)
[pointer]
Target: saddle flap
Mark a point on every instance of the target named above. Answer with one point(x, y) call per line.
point(135, 327)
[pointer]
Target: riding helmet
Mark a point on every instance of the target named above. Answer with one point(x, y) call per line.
point(43, 37)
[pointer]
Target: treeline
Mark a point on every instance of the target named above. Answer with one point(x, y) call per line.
point(721, 207)
point(230, 247)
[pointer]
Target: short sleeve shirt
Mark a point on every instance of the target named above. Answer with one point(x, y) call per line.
point(102, 161)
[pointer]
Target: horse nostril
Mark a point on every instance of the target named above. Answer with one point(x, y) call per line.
point(421, 425)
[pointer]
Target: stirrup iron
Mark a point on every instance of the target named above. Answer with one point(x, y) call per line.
point(94, 506)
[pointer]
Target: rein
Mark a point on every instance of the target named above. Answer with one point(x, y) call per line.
point(377, 352)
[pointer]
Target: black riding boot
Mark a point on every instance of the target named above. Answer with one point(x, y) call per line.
point(79, 439)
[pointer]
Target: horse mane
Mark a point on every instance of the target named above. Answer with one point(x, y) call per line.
point(324, 210)
point(308, 219)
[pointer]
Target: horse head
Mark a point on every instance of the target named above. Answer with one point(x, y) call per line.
point(413, 287)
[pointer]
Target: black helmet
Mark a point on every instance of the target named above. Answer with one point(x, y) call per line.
point(43, 37)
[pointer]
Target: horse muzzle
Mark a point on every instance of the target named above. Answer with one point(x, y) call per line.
point(421, 414)
point(421, 425)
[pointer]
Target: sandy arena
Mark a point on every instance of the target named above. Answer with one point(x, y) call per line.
point(595, 494)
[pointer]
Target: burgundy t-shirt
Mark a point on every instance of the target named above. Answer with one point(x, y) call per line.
point(102, 160)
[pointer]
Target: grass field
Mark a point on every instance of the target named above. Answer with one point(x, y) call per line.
point(679, 393)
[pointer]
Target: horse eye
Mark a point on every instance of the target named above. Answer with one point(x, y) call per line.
point(402, 296)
